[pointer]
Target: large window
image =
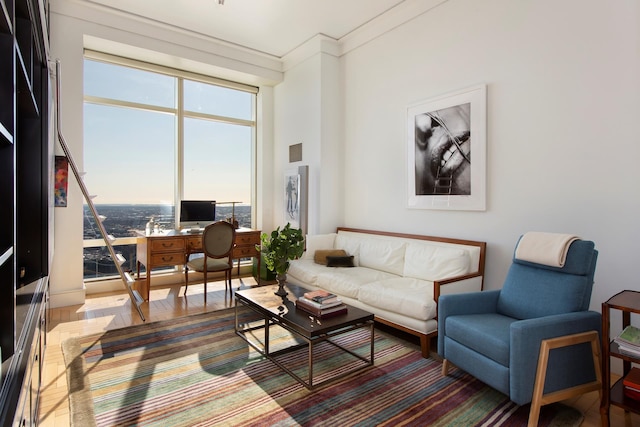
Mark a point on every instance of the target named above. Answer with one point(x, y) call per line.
point(154, 136)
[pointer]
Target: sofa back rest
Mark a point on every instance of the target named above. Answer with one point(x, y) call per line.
point(440, 259)
point(316, 242)
point(377, 252)
point(382, 254)
point(431, 262)
point(534, 290)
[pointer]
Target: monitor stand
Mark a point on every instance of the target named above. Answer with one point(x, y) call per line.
point(193, 228)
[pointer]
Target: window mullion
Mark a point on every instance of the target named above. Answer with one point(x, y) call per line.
point(179, 193)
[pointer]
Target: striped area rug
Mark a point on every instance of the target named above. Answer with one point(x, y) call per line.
point(194, 371)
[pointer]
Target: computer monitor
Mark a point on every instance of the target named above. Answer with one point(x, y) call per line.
point(197, 214)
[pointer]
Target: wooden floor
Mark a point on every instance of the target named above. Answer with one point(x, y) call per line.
point(110, 311)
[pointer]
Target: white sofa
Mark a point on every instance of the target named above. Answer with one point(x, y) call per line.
point(397, 277)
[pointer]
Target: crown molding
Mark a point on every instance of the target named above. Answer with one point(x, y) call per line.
point(136, 31)
point(382, 24)
point(393, 18)
point(317, 44)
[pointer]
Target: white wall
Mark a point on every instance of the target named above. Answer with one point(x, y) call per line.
point(563, 100)
point(66, 283)
point(308, 111)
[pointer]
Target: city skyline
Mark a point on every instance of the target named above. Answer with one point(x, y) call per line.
point(123, 220)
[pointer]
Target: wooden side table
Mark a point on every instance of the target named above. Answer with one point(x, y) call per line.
point(627, 302)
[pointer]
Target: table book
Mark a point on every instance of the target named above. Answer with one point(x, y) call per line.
point(319, 309)
point(631, 383)
point(629, 340)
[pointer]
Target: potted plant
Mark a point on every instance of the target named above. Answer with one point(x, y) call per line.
point(278, 248)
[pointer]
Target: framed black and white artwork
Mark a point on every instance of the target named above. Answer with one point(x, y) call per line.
point(292, 198)
point(295, 197)
point(446, 151)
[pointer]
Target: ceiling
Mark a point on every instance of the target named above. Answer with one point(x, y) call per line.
point(273, 27)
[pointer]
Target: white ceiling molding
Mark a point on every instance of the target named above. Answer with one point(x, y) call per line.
point(318, 44)
point(400, 14)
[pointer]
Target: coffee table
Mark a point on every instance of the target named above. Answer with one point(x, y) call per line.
point(281, 311)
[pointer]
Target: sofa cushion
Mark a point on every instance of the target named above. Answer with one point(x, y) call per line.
point(409, 297)
point(431, 262)
point(320, 257)
point(306, 270)
point(313, 242)
point(347, 281)
point(340, 261)
point(350, 244)
point(384, 255)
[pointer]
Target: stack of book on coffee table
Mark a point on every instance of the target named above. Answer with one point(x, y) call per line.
point(321, 303)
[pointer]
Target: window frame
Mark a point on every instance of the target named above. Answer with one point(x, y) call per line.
point(181, 114)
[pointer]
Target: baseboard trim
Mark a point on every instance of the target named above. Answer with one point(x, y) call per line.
point(65, 299)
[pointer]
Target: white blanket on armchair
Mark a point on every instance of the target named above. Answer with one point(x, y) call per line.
point(545, 248)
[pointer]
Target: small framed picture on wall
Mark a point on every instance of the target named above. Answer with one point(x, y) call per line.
point(292, 198)
point(296, 184)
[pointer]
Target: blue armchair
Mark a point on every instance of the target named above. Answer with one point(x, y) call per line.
point(496, 335)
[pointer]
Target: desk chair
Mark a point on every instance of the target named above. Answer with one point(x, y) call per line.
point(217, 243)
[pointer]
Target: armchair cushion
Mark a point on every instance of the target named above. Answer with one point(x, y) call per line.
point(545, 293)
point(487, 334)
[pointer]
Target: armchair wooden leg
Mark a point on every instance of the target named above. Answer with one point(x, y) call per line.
point(445, 367)
point(540, 399)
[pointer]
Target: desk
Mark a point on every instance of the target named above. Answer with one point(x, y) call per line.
point(170, 248)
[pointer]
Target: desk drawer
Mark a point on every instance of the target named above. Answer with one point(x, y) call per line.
point(167, 244)
point(167, 259)
point(194, 244)
point(244, 252)
point(248, 238)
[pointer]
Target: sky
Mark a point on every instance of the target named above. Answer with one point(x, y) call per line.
point(130, 154)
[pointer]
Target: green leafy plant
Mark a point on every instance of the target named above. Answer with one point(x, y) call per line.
point(280, 247)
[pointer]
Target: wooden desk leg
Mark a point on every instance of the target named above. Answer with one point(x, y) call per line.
point(147, 280)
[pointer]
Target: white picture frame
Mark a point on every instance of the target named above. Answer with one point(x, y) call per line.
point(446, 151)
